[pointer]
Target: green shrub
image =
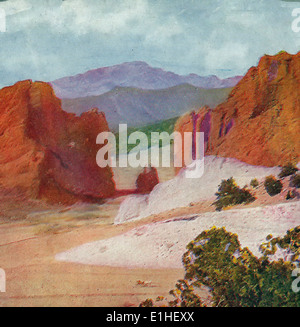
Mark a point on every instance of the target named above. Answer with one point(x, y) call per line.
point(229, 194)
point(290, 195)
point(147, 304)
point(295, 180)
point(272, 185)
point(288, 170)
point(254, 183)
point(234, 276)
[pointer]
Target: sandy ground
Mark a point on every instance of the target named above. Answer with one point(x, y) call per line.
point(182, 191)
point(33, 233)
point(34, 278)
point(163, 244)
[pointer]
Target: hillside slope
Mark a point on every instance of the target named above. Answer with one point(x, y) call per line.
point(162, 244)
point(135, 74)
point(138, 107)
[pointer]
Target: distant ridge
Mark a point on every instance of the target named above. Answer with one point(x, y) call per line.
point(137, 74)
point(138, 107)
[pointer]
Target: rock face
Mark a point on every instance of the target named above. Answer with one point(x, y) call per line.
point(189, 123)
point(47, 153)
point(260, 122)
point(147, 180)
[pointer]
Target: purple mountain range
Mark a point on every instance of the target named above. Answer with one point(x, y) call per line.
point(135, 74)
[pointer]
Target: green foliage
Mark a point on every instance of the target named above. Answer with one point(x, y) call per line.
point(215, 259)
point(234, 276)
point(295, 180)
point(229, 194)
point(288, 170)
point(238, 278)
point(283, 51)
point(185, 295)
point(254, 183)
point(290, 242)
point(162, 126)
point(272, 185)
point(147, 304)
point(290, 195)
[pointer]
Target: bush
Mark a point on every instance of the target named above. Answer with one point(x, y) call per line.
point(290, 195)
point(229, 194)
point(234, 276)
point(254, 183)
point(295, 181)
point(288, 170)
point(272, 185)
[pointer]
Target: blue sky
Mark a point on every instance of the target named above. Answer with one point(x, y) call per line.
point(49, 39)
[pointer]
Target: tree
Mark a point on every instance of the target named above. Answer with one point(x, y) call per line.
point(234, 276)
point(254, 183)
point(295, 180)
point(288, 170)
point(272, 185)
point(229, 194)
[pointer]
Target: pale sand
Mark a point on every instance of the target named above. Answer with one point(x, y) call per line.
point(34, 278)
point(181, 191)
point(28, 248)
point(162, 244)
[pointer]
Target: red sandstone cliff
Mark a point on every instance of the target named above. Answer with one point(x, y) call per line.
point(47, 153)
point(260, 121)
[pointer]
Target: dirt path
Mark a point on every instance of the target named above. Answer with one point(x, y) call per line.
point(28, 248)
point(34, 278)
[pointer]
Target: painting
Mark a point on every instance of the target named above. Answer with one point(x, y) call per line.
point(149, 154)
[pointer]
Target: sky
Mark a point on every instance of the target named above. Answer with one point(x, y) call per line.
point(49, 39)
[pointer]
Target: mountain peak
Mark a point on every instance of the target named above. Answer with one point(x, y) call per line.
point(137, 74)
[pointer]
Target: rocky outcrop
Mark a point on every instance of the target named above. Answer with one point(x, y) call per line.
point(195, 121)
point(47, 153)
point(147, 180)
point(260, 122)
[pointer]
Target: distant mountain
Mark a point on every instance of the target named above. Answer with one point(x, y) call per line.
point(136, 74)
point(138, 107)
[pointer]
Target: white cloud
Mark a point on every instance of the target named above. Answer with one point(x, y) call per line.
point(203, 37)
point(231, 54)
point(126, 17)
point(13, 7)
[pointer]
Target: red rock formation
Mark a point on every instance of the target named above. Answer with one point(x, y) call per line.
point(189, 123)
point(260, 121)
point(147, 180)
point(47, 153)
